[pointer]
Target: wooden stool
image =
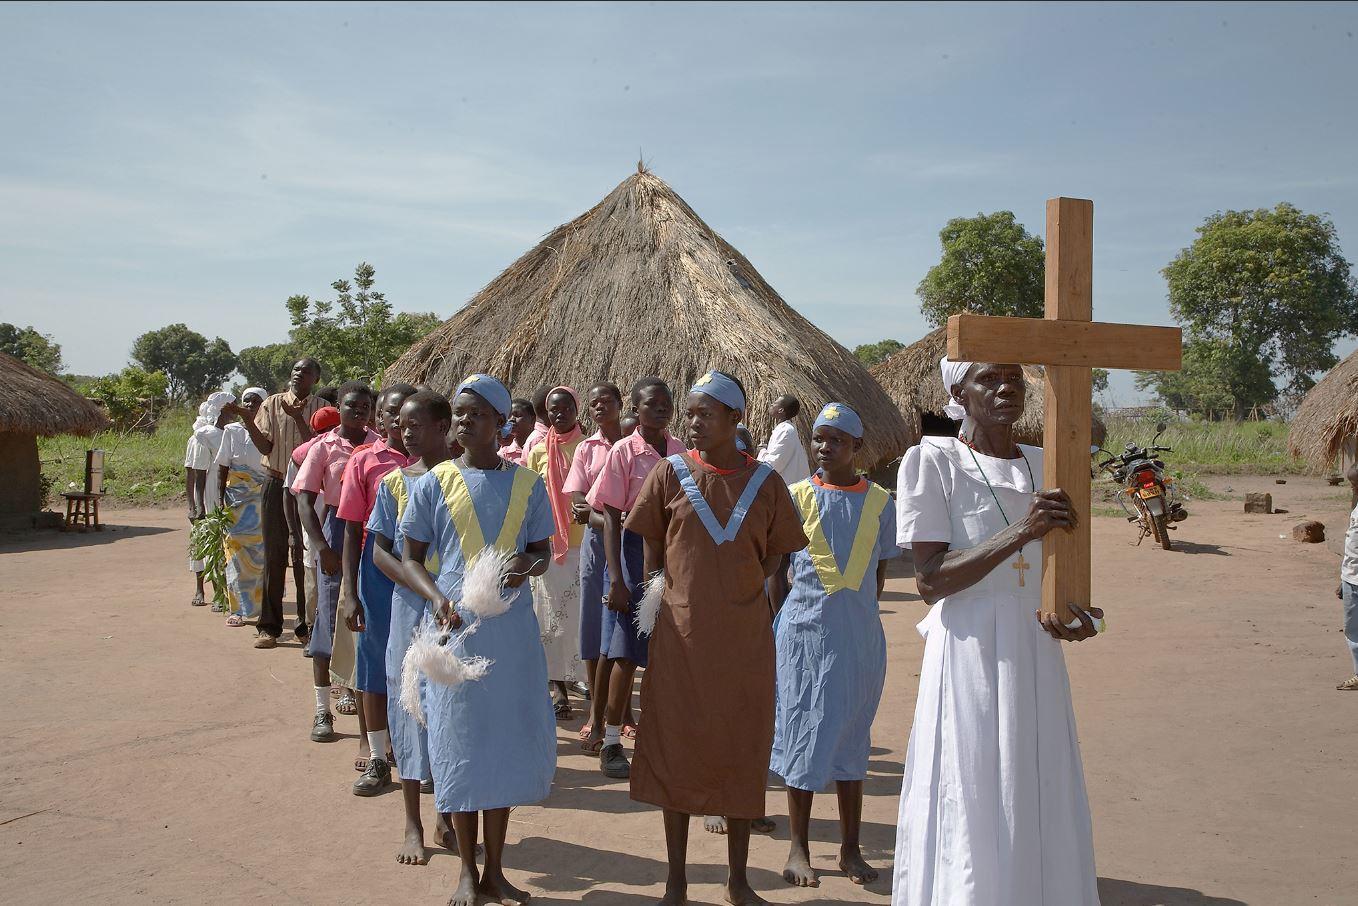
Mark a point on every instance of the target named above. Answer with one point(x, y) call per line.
point(82, 507)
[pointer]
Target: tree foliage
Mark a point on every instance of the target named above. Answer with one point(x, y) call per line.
point(991, 265)
point(1214, 378)
point(1261, 293)
point(193, 365)
point(356, 336)
point(872, 353)
point(27, 345)
point(129, 393)
point(267, 366)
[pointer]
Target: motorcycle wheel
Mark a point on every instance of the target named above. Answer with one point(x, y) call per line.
point(1160, 526)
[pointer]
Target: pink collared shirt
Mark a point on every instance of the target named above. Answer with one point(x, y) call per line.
point(362, 476)
point(323, 468)
point(300, 452)
point(512, 453)
point(587, 464)
point(625, 469)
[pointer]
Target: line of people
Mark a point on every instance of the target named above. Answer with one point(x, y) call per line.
point(767, 652)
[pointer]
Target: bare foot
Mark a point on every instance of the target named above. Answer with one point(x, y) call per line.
point(714, 824)
point(763, 826)
point(412, 851)
point(743, 894)
point(852, 864)
point(444, 834)
point(465, 894)
point(674, 896)
point(499, 890)
point(798, 871)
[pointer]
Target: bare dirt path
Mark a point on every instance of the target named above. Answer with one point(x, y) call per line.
point(151, 756)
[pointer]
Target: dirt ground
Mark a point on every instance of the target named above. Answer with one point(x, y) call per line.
point(152, 756)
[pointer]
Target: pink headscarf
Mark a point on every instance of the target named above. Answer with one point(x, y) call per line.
point(557, 467)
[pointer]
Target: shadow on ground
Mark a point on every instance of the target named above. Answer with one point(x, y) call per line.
point(15, 542)
point(1113, 892)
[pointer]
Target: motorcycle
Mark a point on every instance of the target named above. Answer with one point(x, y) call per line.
point(1148, 496)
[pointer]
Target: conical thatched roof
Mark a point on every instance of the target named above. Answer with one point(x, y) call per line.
point(640, 285)
point(34, 402)
point(910, 377)
point(1327, 416)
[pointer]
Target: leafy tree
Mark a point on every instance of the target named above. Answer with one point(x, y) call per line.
point(356, 336)
point(267, 366)
point(991, 265)
point(27, 345)
point(126, 395)
point(872, 353)
point(1210, 379)
point(1100, 377)
point(1269, 291)
point(193, 366)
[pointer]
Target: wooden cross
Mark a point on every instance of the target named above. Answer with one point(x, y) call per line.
point(1022, 566)
point(1069, 343)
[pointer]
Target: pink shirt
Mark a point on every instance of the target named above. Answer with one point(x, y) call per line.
point(512, 453)
point(300, 452)
point(362, 476)
point(323, 467)
point(587, 464)
point(625, 469)
point(539, 433)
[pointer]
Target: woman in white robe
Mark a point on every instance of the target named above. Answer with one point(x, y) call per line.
point(993, 806)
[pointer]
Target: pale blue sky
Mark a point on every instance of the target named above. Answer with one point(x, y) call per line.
point(200, 163)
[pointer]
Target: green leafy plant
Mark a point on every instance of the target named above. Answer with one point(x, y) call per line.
point(207, 543)
point(991, 265)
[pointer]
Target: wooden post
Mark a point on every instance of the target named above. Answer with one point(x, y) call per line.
point(1068, 415)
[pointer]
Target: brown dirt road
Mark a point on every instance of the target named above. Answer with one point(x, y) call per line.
point(152, 756)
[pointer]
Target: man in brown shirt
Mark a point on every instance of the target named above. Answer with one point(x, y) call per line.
point(282, 423)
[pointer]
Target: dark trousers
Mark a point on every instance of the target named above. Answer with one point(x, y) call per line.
point(275, 530)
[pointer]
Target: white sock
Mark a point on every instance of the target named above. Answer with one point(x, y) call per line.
point(377, 742)
point(612, 734)
point(322, 699)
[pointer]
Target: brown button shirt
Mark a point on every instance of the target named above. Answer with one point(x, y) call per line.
point(281, 428)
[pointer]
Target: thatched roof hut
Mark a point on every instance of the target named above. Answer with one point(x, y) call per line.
point(910, 377)
point(1324, 431)
point(34, 403)
point(640, 285)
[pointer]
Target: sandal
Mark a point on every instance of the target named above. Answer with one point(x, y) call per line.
point(218, 608)
point(563, 709)
point(198, 601)
point(361, 763)
point(588, 741)
point(629, 731)
point(235, 620)
point(346, 704)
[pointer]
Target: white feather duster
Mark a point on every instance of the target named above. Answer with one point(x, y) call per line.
point(432, 657)
point(483, 587)
point(649, 608)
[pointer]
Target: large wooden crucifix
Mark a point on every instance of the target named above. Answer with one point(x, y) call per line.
point(1069, 343)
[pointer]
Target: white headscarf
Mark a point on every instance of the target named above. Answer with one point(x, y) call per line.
point(211, 409)
point(254, 391)
point(953, 373)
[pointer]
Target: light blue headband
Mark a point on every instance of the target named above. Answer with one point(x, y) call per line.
point(838, 415)
point(489, 389)
point(722, 389)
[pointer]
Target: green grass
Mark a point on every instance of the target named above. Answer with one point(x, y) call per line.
point(139, 469)
point(1218, 448)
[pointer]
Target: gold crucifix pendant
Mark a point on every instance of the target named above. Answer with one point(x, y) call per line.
point(1022, 566)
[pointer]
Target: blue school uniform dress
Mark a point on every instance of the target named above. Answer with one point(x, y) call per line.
point(831, 651)
point(375, 590)
point(618, 635)
point(322, 643)
point(492, 741)
point(409, 740)
point(593, 564)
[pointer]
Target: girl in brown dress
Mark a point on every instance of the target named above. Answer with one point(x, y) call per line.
point(718, 523)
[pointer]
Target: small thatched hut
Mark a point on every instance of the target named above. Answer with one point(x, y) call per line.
point(1324, 431)
point(34, 403)
point(911, 378)
point(640, 285)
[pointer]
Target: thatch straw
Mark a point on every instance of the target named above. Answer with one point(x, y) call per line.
point(1327, 416)
point(911, 378)
point(640, 285)
point(34, 402)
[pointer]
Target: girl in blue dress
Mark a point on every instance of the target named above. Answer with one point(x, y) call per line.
point(831, 651)
point(492, 741)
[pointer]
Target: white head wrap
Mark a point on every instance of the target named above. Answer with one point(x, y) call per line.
point(255, 391)
point(953, 373)
point(211, 409)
